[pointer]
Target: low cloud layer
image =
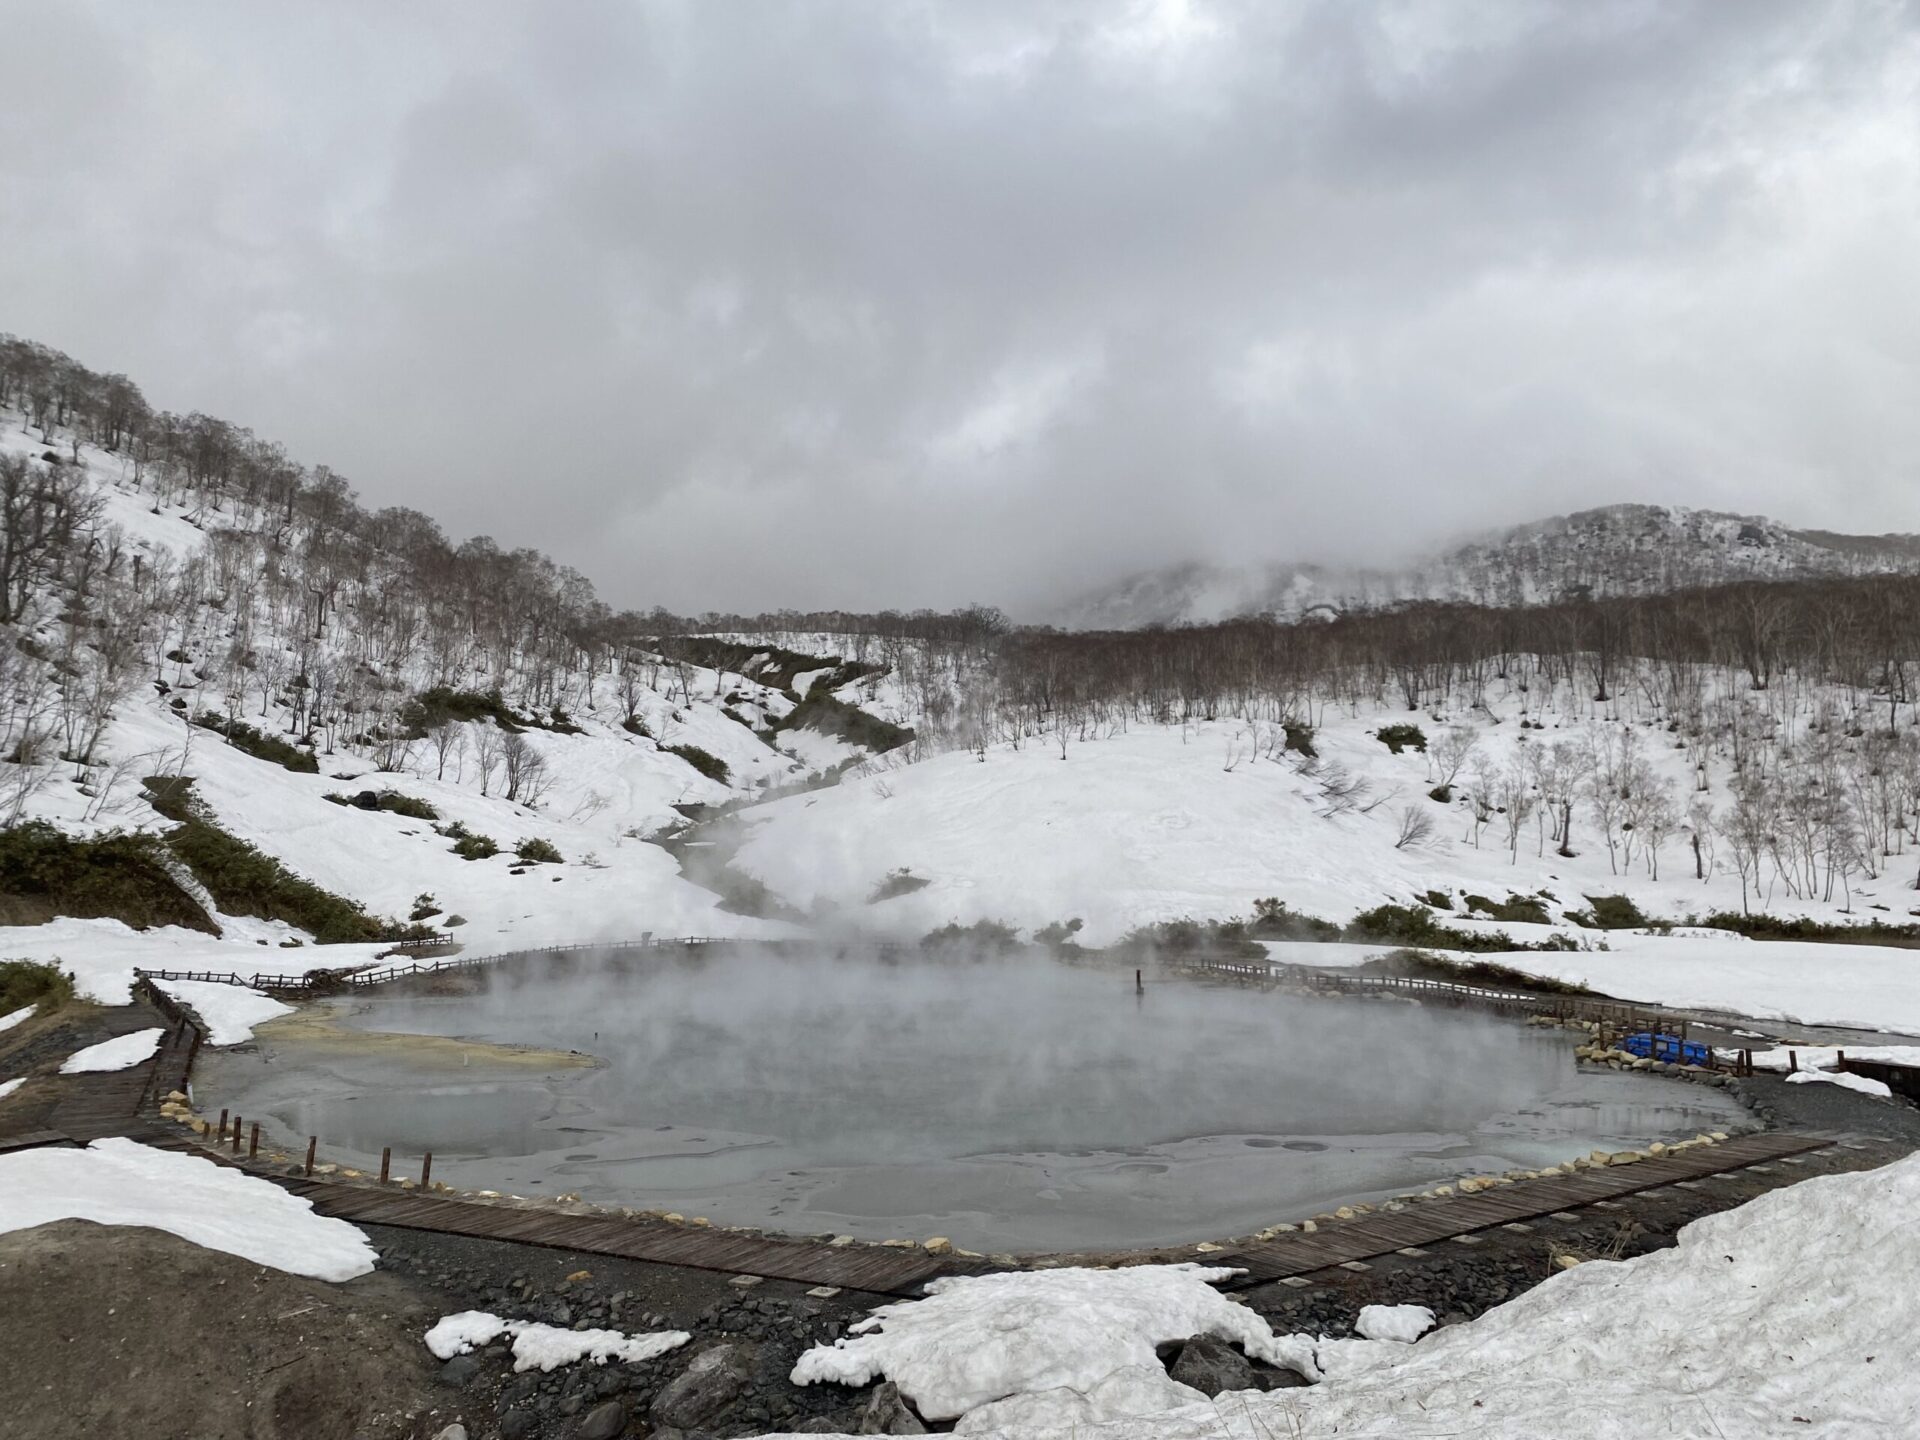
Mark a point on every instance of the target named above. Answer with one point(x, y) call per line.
point(918, 303)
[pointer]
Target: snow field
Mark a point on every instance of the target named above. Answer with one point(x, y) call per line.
point(120, 1182)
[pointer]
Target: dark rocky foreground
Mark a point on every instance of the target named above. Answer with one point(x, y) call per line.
point(747, 1339)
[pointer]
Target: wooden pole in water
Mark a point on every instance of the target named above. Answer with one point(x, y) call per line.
point(426, 1169)
point(386, 1160)
point(312, 1141)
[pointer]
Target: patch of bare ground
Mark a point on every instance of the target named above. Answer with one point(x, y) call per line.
point(136, 1333)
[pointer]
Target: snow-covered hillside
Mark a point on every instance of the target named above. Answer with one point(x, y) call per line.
point(1614, 550)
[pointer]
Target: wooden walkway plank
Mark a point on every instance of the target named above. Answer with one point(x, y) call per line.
point(1381, 1233)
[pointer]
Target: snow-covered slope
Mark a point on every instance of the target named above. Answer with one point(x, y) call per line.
point(1614, 550)
point(1792, 1315)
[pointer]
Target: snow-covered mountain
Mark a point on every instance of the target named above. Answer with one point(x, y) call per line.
point(1614, 550)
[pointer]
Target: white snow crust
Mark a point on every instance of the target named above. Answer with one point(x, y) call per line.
point(7, 1087)
point(1404, 1323)
point(17, 1017)
point(977, 1339)
point(230, 1011)
point(123, 1052)
point(546, 1347)
point(1865, 1084)
point(121, 1182)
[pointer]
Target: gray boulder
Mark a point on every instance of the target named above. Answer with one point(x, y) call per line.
point(1212, 1366)
point(706, 1388)
point(888, 1414)
point(604, 1421)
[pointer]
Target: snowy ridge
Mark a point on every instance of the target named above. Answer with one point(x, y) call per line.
point(1613, 550)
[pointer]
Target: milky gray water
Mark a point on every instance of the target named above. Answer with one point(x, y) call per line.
point(1012, 1104)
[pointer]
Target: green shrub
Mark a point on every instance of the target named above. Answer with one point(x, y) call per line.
point(442, 703)
point(469, 844)
point(1410, 925)
point(1514, 910)
point(1611, 912)
point(33, 982)
point(1438, 899)
point(983, 936)
point(897, 882)
point(1426, 965)
point(1299, 737)
point(1402, 737)
point(822, 712)
point(425, 907)
point(1229, 938)
point(711, 766)
point(536, 851)
point(245, 880)
point(1778, 927)
point(392, 801)
point(1059, 935)
point(45, 874)
point(245, 738)
point(634, 725)
point(1442, 793)
point(1272, 920)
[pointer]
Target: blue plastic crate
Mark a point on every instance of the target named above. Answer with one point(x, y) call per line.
point(1670, 1048)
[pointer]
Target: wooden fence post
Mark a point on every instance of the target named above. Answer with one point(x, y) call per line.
point(426, 1169)
point(236, 1134)
point(223, 1127)
point(386, 1161)
point(312, 1141)
point(253, 1141)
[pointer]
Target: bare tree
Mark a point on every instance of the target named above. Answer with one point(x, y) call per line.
point(1416, 829)
point(487, 744)
point(448, 738)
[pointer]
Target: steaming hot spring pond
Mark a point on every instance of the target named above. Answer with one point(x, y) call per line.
point(1011, 1104)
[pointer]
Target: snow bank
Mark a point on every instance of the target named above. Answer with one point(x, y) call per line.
point(123, 1052)
point(7, 1087)
point(17, 1017)
point(1872, 986)
point(1825, 1057)
point(1402, 1323)
point(546, 1347)
point(120, 1182)
point(230, 1011)
point(1790, 1316)
point(1866, 1085)
point(977, 1339)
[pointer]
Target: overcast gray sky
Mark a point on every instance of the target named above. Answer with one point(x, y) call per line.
point(901, 303)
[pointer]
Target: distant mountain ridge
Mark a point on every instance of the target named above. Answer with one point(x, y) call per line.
point(1612, 550)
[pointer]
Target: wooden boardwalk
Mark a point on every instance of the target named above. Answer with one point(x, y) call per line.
point(1379, 1233)
point(888, 1270)
point(902, 1271)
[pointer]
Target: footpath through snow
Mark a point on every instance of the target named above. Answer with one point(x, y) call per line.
point(1794, 1315)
